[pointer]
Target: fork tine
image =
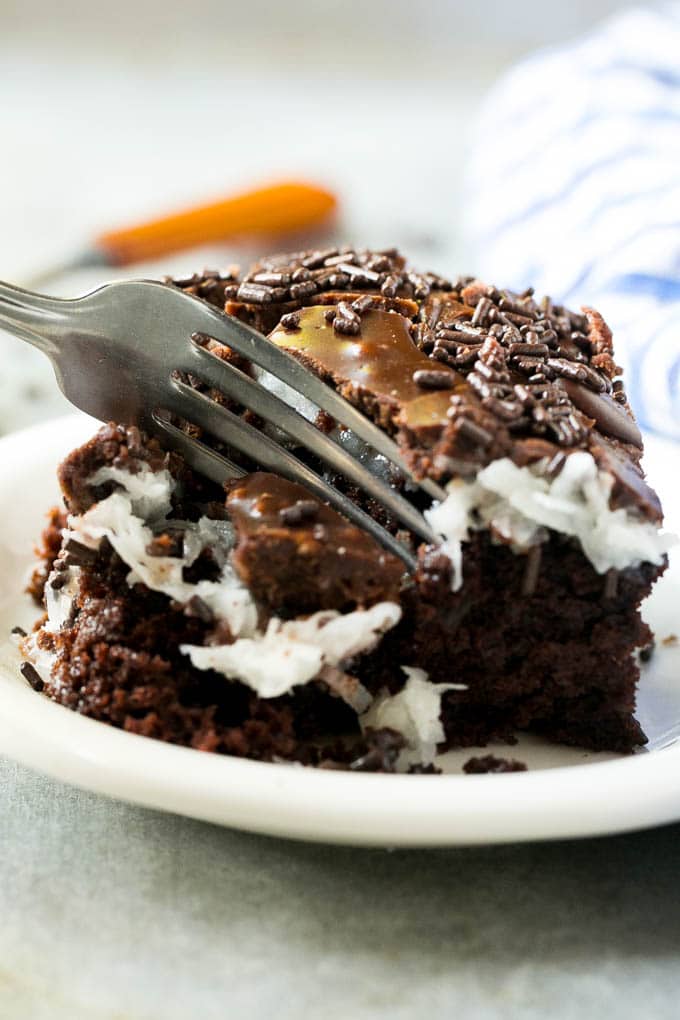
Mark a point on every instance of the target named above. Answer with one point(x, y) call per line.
point(198, 456)
point(199, 409)
point(235, 383)
point(251, 345)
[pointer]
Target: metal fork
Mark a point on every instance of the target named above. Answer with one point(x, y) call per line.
point(117, 352)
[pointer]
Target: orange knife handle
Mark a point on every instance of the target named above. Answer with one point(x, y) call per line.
point(276, 209)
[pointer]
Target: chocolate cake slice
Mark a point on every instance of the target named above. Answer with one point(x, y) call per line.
point(257, 621)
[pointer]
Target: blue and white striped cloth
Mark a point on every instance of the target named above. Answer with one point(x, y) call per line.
point(575, 188)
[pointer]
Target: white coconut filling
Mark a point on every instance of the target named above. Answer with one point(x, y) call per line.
point(42, 660)
point(519, 504)
point(415, 713)
point(293, 652)
point(149, 491)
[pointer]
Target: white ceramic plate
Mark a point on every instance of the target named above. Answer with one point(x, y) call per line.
point(565, 793)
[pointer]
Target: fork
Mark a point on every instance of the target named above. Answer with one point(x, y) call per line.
point(119, 354)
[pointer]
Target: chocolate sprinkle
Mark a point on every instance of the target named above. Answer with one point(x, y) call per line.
point(302, 276)
point(363, 304)
point(555, 465)
point(200, 609)
point(532, 570)
point(611, 584)
point(291, 321)
point(257, 293)
point(346, 320)
point(272, 279)
point(647, 652)
point(301, 512)
point(432, 380)
point(303, 290)
point(30, 673)
point(390, 286)
point(475, 433)
point(79, 555)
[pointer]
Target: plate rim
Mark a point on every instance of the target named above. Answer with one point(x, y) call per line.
point(319, 805)
point(298, 802)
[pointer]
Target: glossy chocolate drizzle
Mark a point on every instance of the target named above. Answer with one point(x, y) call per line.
point(382, 360)
point(266, 501)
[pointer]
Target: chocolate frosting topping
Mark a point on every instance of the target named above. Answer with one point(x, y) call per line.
point(295, 551)
point(262, 500)
point(461, 373)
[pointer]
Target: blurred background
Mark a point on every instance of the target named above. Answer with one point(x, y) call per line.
point(111, 113)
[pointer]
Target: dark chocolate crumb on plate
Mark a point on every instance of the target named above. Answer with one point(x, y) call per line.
point(489, 763)
point(384, 746)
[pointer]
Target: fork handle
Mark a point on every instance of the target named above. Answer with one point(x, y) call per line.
point(35, 318)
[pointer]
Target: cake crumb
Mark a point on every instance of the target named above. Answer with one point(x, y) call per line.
point(490, 763)
point(425, 770)
point(670, 641)
point(383, 748)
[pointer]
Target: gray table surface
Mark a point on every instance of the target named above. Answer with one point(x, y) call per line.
point(109, 911)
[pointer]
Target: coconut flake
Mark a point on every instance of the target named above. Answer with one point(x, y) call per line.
point(521, 505)
point(149, 491)
point(293, 652)
point(415, 713)
point(42, 660)
point(453, 519)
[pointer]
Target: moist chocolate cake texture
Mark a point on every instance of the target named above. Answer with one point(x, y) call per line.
point(258, 622)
